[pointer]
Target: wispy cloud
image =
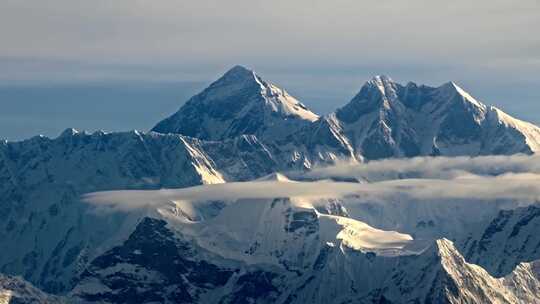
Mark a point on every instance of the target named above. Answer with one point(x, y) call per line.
point(490, 178)
point(431, 167)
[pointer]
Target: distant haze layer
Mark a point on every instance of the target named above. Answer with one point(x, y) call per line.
point(48, 110)
point(30, 109)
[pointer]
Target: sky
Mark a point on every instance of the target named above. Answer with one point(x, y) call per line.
point(320, 51)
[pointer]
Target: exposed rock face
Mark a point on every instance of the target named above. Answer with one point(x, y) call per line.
point(152, 265)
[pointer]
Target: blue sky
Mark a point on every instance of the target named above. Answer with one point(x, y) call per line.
point(320, 51)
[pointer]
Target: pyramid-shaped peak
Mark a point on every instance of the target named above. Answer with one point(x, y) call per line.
point(238, 103)
point(453, 88)
point(239, 69)
point(238, 73)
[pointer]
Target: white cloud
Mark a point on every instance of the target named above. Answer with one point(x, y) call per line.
point(431, 167)
point(489, 178)
point(132, 199)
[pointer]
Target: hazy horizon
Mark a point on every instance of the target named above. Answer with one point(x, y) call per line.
point(33, 108)
point(321, 52)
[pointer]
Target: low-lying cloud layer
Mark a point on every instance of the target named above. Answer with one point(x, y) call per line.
point(489, 178)
point(430, 167)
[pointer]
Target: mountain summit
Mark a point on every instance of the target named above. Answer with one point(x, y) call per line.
point(238, 103)
point(387, 119)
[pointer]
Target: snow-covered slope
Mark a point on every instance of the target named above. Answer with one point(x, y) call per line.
point(252, 250)
point(285, 250)
point(510, 238)
point(239, 103)
point(441, 275)
point(247, 251)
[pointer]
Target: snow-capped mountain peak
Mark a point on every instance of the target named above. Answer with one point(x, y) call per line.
point(386, 119)
point(238, 72)
point(238, 103)
point(277, 98)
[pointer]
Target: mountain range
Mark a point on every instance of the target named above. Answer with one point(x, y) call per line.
point(209, 246)
point(385, 119)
